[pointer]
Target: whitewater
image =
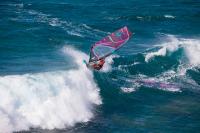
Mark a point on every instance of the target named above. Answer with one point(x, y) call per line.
point(48, 100)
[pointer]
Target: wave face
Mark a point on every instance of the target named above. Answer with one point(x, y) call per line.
point(191, 49)
point(48, 100)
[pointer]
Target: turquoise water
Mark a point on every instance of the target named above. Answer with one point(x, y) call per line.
point(45, 87)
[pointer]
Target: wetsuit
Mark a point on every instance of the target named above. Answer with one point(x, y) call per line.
point(97, 65)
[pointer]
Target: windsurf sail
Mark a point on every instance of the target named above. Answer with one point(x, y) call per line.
point(109, 44)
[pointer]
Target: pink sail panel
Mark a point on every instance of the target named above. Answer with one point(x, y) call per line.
point(109, 44)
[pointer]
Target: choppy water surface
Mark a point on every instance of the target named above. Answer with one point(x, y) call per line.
point(152, 84)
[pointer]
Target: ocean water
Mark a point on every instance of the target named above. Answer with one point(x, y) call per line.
point(46, 88)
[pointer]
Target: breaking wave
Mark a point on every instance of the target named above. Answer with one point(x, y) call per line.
point(108, 63)
point(191, 49)
point(168, 63)
point(48, 100)
point(189, 59)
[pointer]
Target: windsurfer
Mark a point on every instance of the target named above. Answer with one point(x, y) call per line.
point(107, 46)
point(97, 65)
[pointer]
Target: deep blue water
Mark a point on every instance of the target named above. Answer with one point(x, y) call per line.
point(165, 47)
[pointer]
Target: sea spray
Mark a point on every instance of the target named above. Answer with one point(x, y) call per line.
point(191, 48)
point(48, 100)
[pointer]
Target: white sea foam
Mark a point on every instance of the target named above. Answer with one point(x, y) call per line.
point(124, 66)
point(71, 29)
point(73, 33)
point(157, 82)
point(191, 49)
point(86, 26)
point(170, 46)
point(190, 59)
point(55, 22)
point(172, 89)
point(139, 18)
point(108, 63)
point(127, 90)
point(169, 16)
point(93, 29)
point(48, 100)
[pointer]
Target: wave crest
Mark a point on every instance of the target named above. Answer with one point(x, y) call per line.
point(191, 49)
point(48, 100)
